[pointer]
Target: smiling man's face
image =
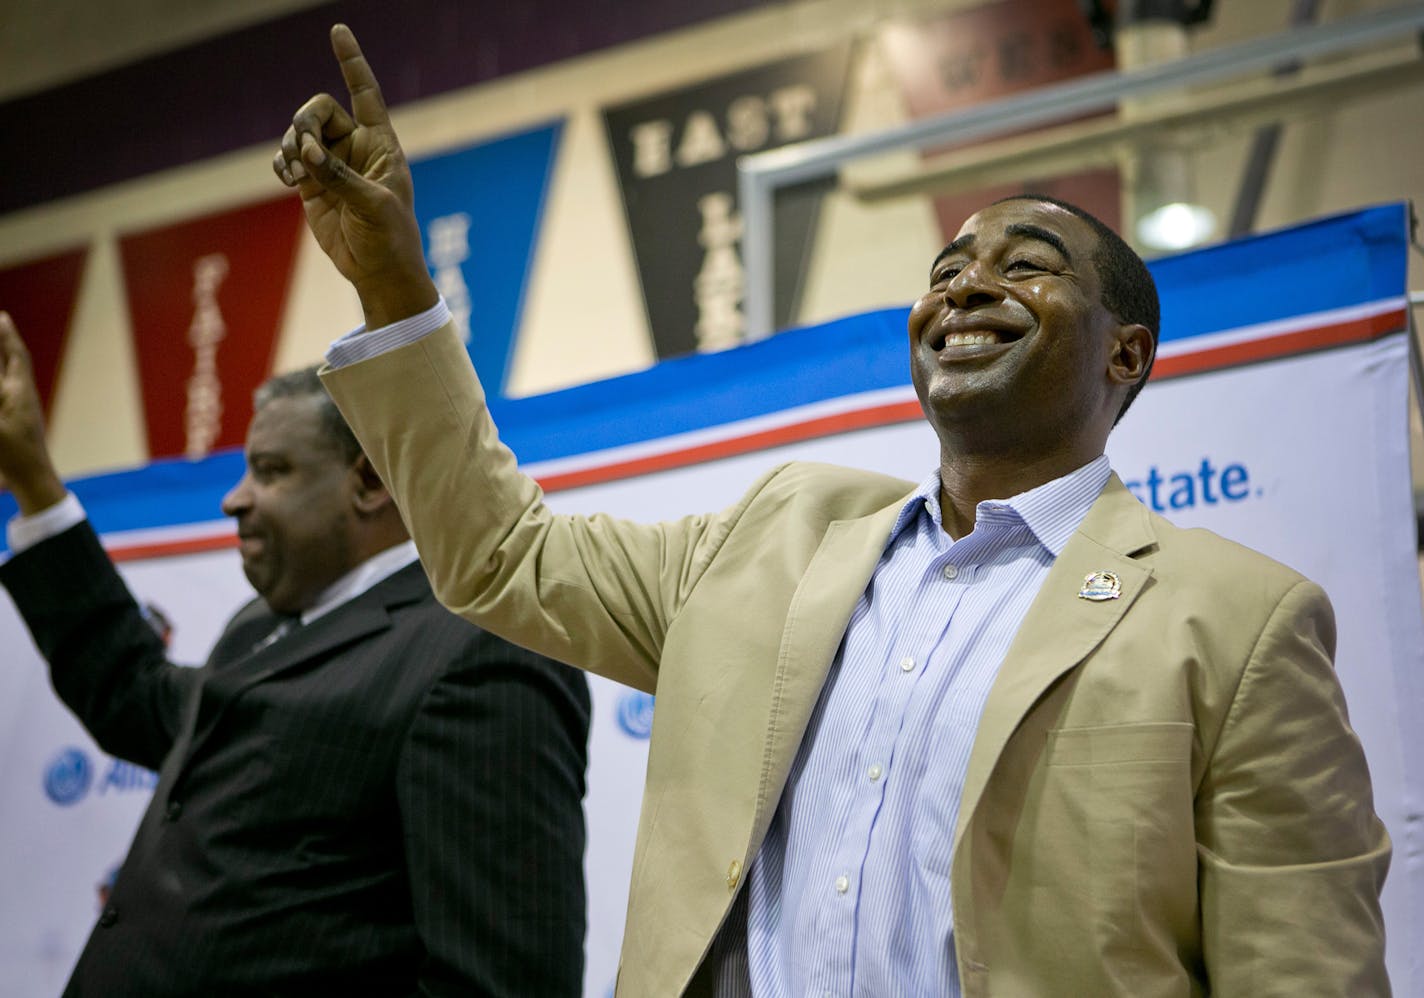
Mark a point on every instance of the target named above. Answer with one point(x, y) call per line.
point(1012, 337)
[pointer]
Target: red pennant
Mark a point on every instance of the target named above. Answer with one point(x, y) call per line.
point(206, 298)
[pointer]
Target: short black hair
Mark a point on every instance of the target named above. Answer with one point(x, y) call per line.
point(1127, 288)
point(305, 384)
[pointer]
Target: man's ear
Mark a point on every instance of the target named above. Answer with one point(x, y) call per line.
point(369, 495)
point(1131, 354)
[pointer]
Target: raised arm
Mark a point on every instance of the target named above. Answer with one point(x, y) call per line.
point(596, 593)
point(106, 662)
point(355, 187)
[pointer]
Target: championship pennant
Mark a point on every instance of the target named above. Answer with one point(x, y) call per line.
point(479, 210)
point(676, 156)
point(206, 297)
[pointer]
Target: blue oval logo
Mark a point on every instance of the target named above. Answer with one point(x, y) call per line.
point(635, 714)
point(68, 776)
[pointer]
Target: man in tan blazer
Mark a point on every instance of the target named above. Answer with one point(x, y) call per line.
point(1136, 775)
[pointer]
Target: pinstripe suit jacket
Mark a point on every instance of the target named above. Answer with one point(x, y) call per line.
point(385, 801)
point(1164, 797)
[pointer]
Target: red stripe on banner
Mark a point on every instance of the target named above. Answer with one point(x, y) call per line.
point(1282, 345)
point(167, 549)
point(822, 426)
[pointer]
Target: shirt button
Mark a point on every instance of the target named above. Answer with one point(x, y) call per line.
point(875, 772)
point(109, 917)
point(951, 572)
point(907, 665)
point(174, 810)
point(842, 884)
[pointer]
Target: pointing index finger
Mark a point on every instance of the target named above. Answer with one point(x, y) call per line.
point(368, 107)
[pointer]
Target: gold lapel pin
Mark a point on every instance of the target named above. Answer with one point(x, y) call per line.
point(1099, 586)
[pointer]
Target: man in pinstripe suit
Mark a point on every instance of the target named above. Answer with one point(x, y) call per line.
point(359, 793)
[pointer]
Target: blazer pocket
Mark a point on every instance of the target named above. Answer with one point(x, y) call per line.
point(1161, 742)
point(1118, 834)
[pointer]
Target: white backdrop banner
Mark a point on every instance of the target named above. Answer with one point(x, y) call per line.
point(1276, 416)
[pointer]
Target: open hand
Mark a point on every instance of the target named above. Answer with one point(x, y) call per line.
point(356, 190)
point(25, 465)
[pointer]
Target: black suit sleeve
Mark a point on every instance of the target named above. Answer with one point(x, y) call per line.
point(491, 782)
point(106, 663)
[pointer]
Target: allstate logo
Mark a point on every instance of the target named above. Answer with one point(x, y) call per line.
point(68, 776)
point(635, 714)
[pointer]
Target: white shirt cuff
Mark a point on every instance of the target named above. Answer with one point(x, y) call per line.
point(23, 532)
point(363, 344)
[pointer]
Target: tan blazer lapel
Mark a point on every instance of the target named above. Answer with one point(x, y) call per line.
point(833, 581)
point(1060, 628)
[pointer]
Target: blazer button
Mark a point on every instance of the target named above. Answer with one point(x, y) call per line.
point(734, 875)
point(109, 917)
point(174, 810)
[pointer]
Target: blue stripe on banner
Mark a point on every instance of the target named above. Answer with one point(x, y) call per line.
point(165, 493)
point(796, 367)
point(1327, 264)
point(1354, 259)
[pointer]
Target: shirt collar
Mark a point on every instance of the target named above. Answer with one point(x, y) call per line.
point(374, 569)
point(1052, 511)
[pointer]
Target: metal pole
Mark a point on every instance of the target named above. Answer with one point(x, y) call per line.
point(1416, 362)
point(1264, 143)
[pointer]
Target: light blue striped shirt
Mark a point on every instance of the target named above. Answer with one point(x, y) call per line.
point(849, 893)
